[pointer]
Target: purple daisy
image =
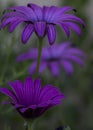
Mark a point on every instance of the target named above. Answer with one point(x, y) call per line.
point(52, 57)
point(29, 99)
point(41, 20)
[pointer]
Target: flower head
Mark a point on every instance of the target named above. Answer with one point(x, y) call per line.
point(41, 20)
point(29, 99)
point(52, 57)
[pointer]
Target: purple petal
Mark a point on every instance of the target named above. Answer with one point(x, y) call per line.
point(54, 67)
point(64, 9)
point(30, 55)
point(28, 91)
point(62, 48)
point(37, 9)
point(75, 51)
point(59, 12)
point(51, 34)
point(14, 24)
point(14, 14)
point(18, 106)
point(17, 87)
point(27, 32)
point(74, 27)
point(49, 13)
point(40, 28)
point(8, 93)
point(32, 68)
point(57, 99)
point(48, 93)
point(70, 17)
point(28, 12)
point(64, 27)
point(44, 90)
point(45, 53)
point(32, 107)
point(7, 21)
point(23, 109)
point(67, 66)
point(43, 65)
point(37, 90)
point(75, 59)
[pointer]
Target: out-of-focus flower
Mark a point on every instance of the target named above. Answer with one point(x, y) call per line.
point(63, 54)
point(29, 99)
point(42, 21)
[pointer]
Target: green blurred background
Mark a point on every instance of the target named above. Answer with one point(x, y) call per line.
point(76, 110)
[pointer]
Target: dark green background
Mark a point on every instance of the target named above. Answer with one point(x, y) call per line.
point(76, 110)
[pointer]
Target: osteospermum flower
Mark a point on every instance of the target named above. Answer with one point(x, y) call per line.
point(63, 54)
point(29, 99)
point(42, 21)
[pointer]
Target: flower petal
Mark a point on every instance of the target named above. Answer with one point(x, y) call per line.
point(28, 12)
point(27, 32)
point(28, 91)
point(43, 65)
point(13, 14)
point(8, 93)
point(74, 27)
point(7, 21)
point(49, 13)
point(75, 51)
point(54, 67)
point(37, 10)
point(64, 9)
point(17, 89)
point(37, 90)
point(70, 17)
point(65, 28)
point(40, 28)
point(74, 58)
point(67, 66)
point(32, 68)
point(30, 55)
point(51, 34)
point(14, 24)
point(59, 12)
point(51, 93)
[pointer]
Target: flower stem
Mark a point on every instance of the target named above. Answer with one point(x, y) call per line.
point(28, 126)
point(39, 57)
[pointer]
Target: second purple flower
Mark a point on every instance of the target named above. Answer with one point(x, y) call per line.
point(54, 57)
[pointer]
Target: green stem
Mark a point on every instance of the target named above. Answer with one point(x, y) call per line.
point(39, 57)
point(28, 126)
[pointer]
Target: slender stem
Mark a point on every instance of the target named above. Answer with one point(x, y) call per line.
point(39, 57)
point(28, 126)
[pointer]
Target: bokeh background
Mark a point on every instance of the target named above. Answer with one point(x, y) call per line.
point(76, 110)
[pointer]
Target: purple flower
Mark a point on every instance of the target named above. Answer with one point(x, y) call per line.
point(29, 99)
point(42, 21)
point(52, 57)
